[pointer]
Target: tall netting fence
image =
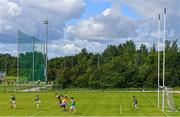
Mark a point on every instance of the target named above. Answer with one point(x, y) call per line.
point(31, 58)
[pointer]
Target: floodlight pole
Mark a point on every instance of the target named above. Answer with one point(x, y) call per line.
point(46, 52)
point(159, 23)
point(17, 79)
point(164, 52)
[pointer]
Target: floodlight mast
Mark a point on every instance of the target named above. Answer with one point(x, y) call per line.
point(159, 23)
point(46, 51)
point(17, 79)
point(164, 52)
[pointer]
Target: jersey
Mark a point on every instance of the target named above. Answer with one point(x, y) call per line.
point(72, 102)
point(13, 98)
point(134, 101)
point(37, 98)
point(63, 100)
point(66, 100)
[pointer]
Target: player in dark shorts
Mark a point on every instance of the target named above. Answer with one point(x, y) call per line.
point(63, 104)
point(134, 102)
point(66, 101)
point(61, 101)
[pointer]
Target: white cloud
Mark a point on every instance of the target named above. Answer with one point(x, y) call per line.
point(9, 9)
point(112, 26)
point(108, 11)
point(66, 47)
point(62, 48)
point(70, 47)
point(109, 24)
point(66, 9)
point(8, 48)
point(14, 9)
point(27, 15)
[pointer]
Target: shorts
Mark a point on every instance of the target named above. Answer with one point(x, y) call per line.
point(13, 102)
point(73, 107)
point(37, 102)
point(135, 105)
point(63, 105)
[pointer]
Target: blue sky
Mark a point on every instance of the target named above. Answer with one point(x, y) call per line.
point(91, 24)
point(130, 12)
point(95, 7)
point(92, 8)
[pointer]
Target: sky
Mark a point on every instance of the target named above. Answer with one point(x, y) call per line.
point(90, 24)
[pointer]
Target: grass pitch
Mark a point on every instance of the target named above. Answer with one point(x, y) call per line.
point(87, 104)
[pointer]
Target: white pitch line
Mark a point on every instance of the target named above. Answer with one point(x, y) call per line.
point(155, 104)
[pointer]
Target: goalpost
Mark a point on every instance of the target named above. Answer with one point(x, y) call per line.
point(168, 92)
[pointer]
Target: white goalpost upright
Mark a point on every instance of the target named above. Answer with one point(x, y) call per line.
point(164, 53)
point(163, 79)
point(168, 92)
point(159, 23)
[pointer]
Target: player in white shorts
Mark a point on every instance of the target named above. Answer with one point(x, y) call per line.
point(37, 100)
point(13, 101)
point(73, 105)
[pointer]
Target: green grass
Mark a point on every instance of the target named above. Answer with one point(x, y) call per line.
point(87, 103)
point(11, 77)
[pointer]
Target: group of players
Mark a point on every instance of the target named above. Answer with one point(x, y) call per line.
point(63, 102)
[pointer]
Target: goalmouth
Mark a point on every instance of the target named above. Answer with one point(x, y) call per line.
point(169, 98)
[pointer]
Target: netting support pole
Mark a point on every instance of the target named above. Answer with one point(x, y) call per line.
point(33, 62)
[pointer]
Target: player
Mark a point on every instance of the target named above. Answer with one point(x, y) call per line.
point(37, 100)
point(73, 105)
point(134, 102)
point(13, 101)
point(58, 97)
point(61, 101)
point(66, 101)
point(63, 104)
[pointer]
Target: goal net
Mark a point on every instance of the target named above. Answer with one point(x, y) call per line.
point(170, 100)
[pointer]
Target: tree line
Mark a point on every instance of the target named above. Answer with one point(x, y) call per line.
point(121, 66)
